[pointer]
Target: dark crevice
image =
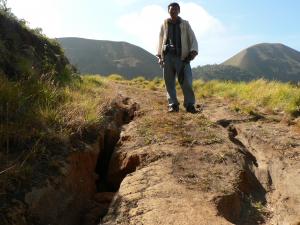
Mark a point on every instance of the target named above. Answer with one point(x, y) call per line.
point(232, 133)
point(119, 115)
point(224, 122)
point(121, 112)
point(240, 207)
point(254, 118)
point(110, 140)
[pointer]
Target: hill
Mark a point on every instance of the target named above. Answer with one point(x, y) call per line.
point(26, 52)
point(269, 61)
point(108, 57)
point(33, 75)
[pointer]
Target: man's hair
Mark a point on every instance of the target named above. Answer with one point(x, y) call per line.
point(173, 4)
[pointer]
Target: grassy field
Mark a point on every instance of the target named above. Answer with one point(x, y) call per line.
point(271, 96)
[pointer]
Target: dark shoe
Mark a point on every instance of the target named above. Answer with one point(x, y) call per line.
point(191, 109)
point(173, 108)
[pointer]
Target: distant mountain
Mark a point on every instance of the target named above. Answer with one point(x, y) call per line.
point(107, 57)
point(269, 61)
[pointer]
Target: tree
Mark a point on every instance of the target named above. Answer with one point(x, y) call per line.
point(3, 6)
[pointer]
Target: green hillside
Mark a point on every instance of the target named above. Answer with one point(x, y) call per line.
point(26, 52)
point(108, 57)
point(269, 61)
point(33, 75)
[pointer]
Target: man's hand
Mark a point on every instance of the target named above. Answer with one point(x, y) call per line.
point(192, 55)
point(160, 61)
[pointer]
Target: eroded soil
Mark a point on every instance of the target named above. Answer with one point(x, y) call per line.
point(214, 167)
point(146, 166)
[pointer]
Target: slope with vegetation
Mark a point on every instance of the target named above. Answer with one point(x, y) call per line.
point(43, 104)
point(32, 71)
point(27, 52)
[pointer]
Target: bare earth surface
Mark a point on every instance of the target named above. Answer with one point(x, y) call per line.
point(144, 166)
point(214, 167)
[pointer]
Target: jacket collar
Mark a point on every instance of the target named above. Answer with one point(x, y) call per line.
point(178, 21)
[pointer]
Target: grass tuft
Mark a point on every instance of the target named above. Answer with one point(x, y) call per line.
point(117, 77)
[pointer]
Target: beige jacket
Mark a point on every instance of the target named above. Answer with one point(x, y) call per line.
point(188, 39)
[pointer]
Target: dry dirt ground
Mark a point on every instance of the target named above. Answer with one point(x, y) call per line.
point(214, 167)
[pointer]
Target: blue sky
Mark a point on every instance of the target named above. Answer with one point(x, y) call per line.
point(222, 27)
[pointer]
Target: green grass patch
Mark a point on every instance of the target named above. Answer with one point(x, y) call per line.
point(140, 82)
point(33, 109)
point(271, 95)
point(21, 104)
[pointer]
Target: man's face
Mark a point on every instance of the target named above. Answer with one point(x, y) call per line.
point(174, 11)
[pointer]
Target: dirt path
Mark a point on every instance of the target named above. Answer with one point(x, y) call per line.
point(217, 167)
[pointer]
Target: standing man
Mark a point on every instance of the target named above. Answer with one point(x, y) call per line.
point(176, 48)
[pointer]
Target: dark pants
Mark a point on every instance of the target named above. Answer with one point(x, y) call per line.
point(172, 67)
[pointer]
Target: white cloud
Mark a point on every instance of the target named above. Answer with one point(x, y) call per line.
point(144, 25)
point(125, 2)
point(201, 21)
point(57, 18)
point(39, 14)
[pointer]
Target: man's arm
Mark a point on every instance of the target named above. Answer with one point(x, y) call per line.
point(193, 43)
point(160, 40)
point(159, 47)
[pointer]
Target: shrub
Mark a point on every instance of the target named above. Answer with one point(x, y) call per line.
point(115, 77)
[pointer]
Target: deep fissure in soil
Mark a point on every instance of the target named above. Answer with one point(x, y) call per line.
point(117, 117)
point(245, 205)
